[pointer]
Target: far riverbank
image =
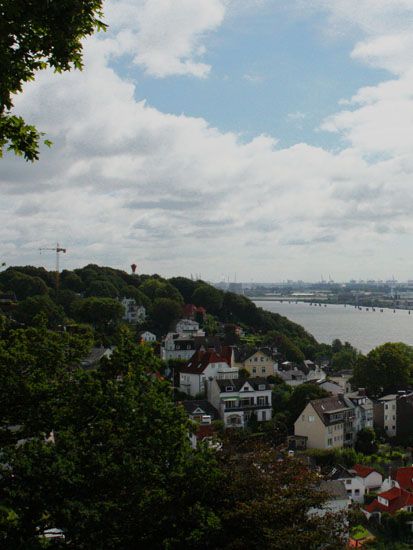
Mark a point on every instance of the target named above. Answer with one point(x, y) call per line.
point(363, 329)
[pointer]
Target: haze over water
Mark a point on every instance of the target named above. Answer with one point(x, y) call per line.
point(363, 329)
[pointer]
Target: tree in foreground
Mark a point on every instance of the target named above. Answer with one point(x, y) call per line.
point(35, 35)
point(118, 471)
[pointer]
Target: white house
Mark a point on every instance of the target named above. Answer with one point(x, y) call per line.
point(203, 366)
point(176, 346)
point(147, 336)
point(385, 414)
point(237, 400)
point(188, 327)
point(358, 481)
point(363, 410)
point(134, 313)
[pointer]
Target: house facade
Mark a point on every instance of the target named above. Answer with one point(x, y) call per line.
point(327, 423)
point(363, 410)
point(260, 364)
point(203, 366)
point(134, 314)
point(176, 346)
point(385, 414)
point(188, 327)
point(237, 400)
point(147, 336)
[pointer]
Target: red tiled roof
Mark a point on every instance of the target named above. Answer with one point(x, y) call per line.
point(397, 498)
point(404, 477)
point(363, 471)
point(201, 359)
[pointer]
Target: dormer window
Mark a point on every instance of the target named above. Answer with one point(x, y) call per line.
point(229, 388)
point(261, 386)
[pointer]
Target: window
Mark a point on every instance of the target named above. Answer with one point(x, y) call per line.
point(329, 442)
point(264, 415)
point(311, 418)
point(254, 370)
point(261, 386)
point(229, 388)
point(357, 492)
point(263, 370)
point(348, 481)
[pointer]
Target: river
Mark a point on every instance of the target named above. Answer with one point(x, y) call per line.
point(363, 329)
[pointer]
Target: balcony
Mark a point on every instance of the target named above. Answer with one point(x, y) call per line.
point(245, 407)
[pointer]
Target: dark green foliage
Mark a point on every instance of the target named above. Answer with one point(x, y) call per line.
point(366, 441)
point(165, 312)
point(99, 312)
point(27, 311)
point(155, 289)
point(185, 286)
point(35, 35)
point(208, 297)
point(385, 368)
point(71, 281)
point(24, 286)
point(102, 289)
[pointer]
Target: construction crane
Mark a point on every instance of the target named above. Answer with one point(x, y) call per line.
point(58, 249)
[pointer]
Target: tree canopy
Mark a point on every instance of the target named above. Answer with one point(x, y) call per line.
point(384, 369)
point(35, 35)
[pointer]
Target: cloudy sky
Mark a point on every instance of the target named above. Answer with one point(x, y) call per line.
point(268, 138)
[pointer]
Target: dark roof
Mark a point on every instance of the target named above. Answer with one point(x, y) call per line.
point(204, 405)
point(340, 472)
point(327, 405)
point(237, 383)
point(201, 359)
point(334, 489)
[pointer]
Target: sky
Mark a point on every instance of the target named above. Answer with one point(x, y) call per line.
point(260, 140)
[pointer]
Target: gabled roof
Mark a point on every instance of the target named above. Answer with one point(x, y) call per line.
point(340, 472)
point(238, 383)
point(397, 498)
point(329, 405)
point(201, 359)
point(200, 407)
point(404, 477)
point(363, 471)
point(334, 489)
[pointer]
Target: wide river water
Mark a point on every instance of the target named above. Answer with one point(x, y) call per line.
point(363, 329)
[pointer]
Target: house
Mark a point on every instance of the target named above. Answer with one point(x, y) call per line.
point(146, 336)
point(404, 415)
point(134, 313)
point(363, 410)
point(261, 363)
point(199, 409)
point(327, 423)
point(176, 346)
point(295, 374)
point(188, 327)
point(238, 400)
point(203, 414)
point(330, 387)
point(342, 378)
point(205, 365)
point(401, 478)
point(390, 502)
point(337, 498)
point(372, 479)
point(358, 481)
point(385, 414)
point(353, 484)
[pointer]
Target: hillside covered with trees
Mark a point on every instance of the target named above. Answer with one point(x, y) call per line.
point(91, 295)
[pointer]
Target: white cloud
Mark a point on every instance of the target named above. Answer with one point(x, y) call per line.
point(126, 182)
point(166, 37)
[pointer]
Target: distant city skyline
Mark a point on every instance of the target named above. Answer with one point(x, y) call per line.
point(263, 137)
